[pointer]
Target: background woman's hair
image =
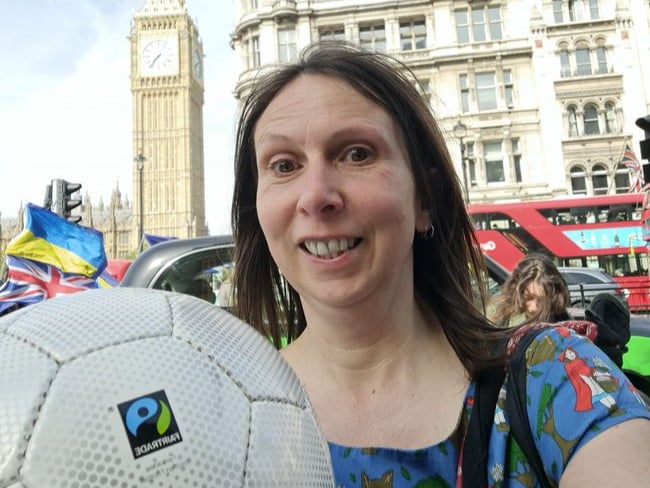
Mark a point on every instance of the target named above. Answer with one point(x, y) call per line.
point(448, 269)
point(551, 305)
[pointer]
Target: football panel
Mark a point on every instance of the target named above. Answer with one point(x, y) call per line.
point(25, 376)
point(7, 320)
point(71, 325)
point(81, 437)
point(286, 449)
point(220, 334)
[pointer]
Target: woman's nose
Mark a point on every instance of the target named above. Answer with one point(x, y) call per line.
point(320, 190)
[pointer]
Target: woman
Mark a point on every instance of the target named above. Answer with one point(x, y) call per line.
point(535, 291)
point(352, 240)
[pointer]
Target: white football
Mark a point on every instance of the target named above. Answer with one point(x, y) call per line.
point(131, 387)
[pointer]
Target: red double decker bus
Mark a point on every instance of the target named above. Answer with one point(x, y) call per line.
point(607, 232)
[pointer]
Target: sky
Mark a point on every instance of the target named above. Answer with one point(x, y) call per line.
point(66, 107)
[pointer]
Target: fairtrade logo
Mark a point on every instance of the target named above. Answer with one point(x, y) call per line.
point(149, 423)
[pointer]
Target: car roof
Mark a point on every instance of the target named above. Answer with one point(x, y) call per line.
point(148, 265)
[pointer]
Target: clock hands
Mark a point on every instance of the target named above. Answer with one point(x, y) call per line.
point(153, 61)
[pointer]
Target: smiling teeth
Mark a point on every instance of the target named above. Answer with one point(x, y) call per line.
point(332, 248)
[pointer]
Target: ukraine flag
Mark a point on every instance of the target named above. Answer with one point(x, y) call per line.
point(48, 238)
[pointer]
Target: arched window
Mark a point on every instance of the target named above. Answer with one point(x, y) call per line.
point(599, 179)
point(622, 178)
point(573, 121)
point(578, 181)
point(591, 120)
point(610, 118)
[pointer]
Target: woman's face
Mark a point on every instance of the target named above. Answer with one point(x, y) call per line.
point(335, 198)
point(532, 295)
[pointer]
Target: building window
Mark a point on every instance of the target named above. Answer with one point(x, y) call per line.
point(250, 5)
point(252, 46)
point(622, 178)
point(486, 92)
point(413, 35)
point(591, 120)
point(557, 11)
point(494, 18)
point(486, 24)
point(331, 33)
point(599, 179)
point(478, 25)
point(578, 10)
point(601, 57)
point(610, 118)
point(581, 10)
point(516, 159)
point(507, 87)
point(471, 163)
point(464, 93)
point(287, 50)
point(493, 162)
point(373, 37)
point(462, 26)
point(583, 60)
point(578, 181)
point(565, 64)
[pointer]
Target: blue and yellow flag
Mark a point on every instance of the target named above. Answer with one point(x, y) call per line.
point(48, 238)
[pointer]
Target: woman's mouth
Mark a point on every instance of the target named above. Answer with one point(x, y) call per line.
point(330, 248)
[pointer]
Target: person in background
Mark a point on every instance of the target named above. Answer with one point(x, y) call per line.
point(225, 294)
point(353, 243)
point(535, 291)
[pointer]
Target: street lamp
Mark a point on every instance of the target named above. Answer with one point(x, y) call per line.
point(460, 131)
point(139, 160)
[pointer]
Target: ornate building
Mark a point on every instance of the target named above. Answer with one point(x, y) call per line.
point(115, 222)
point(167, 88)
point(538, 97)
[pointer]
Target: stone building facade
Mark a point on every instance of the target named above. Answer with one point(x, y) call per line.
point(537, 97)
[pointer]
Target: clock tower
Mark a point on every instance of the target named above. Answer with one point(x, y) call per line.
point(167, 89)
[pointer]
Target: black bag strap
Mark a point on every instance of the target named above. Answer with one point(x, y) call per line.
point(475, 446)
point(516, 407)
point(488, 384)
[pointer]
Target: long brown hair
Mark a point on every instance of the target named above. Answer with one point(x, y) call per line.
point(551, 305)
point(448, 268)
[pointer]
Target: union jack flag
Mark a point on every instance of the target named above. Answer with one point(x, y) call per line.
point(30, 282)
point(630, 161)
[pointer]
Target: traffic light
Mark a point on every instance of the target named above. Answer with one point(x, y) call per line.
point(62, 200)
point(47, 201)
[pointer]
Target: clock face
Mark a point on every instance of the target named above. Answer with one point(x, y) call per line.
point(197, 63)
point(158, 56)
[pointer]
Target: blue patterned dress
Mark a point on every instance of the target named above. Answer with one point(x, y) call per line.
point(574, 393)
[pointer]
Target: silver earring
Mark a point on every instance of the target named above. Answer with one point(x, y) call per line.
point(427, 233)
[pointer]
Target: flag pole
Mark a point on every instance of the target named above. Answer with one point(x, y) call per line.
point(612, 182)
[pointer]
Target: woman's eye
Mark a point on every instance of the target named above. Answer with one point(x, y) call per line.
point(357, 154)
point(283, 166)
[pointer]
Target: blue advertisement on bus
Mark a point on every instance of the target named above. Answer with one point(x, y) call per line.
point(607, 238)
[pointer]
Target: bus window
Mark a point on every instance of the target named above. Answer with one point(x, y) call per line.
point(500, 221)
